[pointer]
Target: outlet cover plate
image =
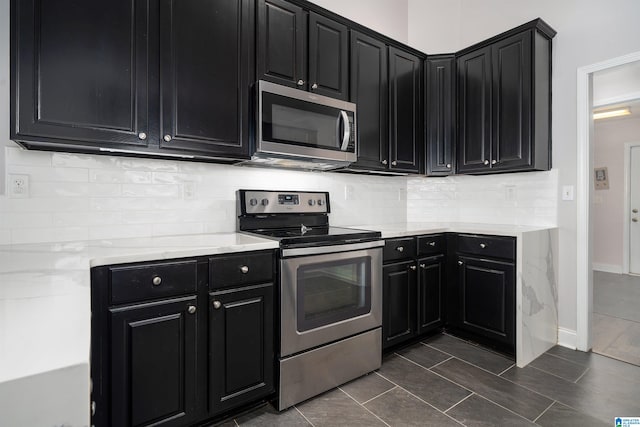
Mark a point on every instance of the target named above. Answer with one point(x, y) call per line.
point(18, 186)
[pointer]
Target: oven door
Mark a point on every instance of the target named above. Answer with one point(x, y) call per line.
point(329, 293)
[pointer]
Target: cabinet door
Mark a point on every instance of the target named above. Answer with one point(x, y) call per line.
point(512, 103)
point(474, 111)
point(487, 300)
point(440, 110)
point(406, 141)
point(398, 303)
point(240, 346)
point(282, 37)
point(328, 57)
point(153, 363)
point(369, 91)
point(205, 78)
point(430, 293)
point(79, 76)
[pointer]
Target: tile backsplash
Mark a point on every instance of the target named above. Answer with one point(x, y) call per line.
point(77, 197)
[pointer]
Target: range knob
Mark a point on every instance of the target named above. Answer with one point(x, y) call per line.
point(253, 202)
point(312, 202)
point(265, 202)
point(320, 202)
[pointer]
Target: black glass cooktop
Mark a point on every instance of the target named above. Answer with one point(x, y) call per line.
point(310, 236)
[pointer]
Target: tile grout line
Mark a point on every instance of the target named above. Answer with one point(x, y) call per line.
point(552, 374)
point(506, 370)
point(303, 416)
point(583, 374)
point(543, 412)
point(422, 400)
point(375, 397)
point(236, 423)
point(466, 361)
point(462, 400)
point(364, 407)
point(417, 364)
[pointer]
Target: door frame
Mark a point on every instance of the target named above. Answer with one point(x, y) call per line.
point(584, 225)
point(626, 241)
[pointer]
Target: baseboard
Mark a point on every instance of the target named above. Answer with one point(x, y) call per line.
point(607, 268)
point(567, 338)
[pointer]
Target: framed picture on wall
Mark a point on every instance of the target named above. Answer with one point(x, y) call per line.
point(601, 178)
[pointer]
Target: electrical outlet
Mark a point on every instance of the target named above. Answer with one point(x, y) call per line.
point(510, 192)
point(18, 186)
point(189, 190)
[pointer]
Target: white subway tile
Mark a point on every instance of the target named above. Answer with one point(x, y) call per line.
point(5, 237)
point(120, 231)
point(48, 234)
point(151, 190)
point(10, 220)
point(50, 174)
point(117, 176)
point(20, 156)
point(173, 229)
point(44, 204)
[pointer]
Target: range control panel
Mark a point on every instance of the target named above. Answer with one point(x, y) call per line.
point(256, 202)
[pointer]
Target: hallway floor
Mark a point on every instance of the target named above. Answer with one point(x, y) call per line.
point(616, 316)
point(447, 381)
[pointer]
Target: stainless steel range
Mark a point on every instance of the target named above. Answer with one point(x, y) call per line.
point(330, 291)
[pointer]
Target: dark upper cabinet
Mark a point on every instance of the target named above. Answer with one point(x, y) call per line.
point(240, 346)
point(80, 73)
point(154, 367)
point(440, 106)
point(369, 91)
point(302, 49)
point(431, 282)
point(168, 77)
point(205, 55)
point(504, 102)
point(282, 39)
point(406, 138)
point(328, 57)
point(399, 302)
point(474, 111)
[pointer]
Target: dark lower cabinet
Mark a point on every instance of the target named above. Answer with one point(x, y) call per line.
point(431, 282)
point(399, 303)
point(154, 363)
point(240, 346)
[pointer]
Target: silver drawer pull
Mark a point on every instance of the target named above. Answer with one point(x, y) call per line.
point(423, 266)
point(460, 263)
point(413, 267)
point(217, 304)
point(400, 249)
point(156, 280)
point(432, 244)
point(191, 309)
point(244, 269)
point(482, 245)
point(448, 165)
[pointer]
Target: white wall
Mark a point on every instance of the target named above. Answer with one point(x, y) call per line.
point(589, 31)
point(610, 136)
point(617, 84)
point(388, 17)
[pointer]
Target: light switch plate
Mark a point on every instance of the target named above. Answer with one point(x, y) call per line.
point(567, 192)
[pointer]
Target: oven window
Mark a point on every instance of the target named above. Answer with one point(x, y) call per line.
point(333, 291)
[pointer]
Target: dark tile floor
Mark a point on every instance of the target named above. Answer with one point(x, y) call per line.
point(447, 381)
point(616, 318)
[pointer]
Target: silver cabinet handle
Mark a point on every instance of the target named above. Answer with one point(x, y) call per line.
point(217, 304)
point(191, 309)
point(634, 219)
point(413, 267)
point(634, 210)
point(156, 280)
point(423, 266)
point(314, 86)
point(300, 82)
point(244, 269)
point(384, 162)
point(486, 162)
point(400, 249)
point(460, 263)
point(347, 130)
point(432, 244)
point(482, 245)
point(394, 163)
point(142, 136)
point(448, 165)
point(167, 138)
point(493, 162)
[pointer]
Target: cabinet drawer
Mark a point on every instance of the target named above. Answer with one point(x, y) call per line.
point(395, 249)
point(241, 269)
point(432, 244)
point(150, 281)
point(492, 246)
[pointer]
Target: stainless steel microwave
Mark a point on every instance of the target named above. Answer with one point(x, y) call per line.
point(303, 130)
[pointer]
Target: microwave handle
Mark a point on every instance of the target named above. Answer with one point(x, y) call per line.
point(347, 130)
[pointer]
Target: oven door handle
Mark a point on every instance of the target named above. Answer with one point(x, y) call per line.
point(318, 250)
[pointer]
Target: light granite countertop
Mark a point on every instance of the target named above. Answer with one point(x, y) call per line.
point(45, 313)
point(417, 228)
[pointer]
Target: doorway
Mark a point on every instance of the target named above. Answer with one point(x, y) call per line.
point(632, 206)
point(608, 296)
